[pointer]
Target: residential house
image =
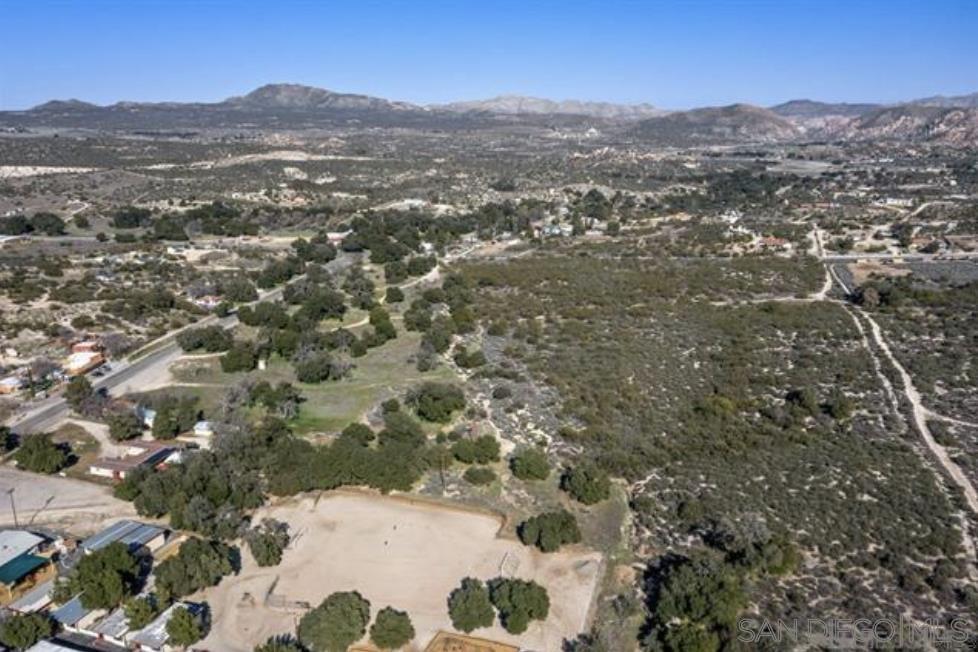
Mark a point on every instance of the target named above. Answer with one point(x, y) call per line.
point(138, 454)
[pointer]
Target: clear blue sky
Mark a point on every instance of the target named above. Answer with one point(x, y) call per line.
point(672, 54)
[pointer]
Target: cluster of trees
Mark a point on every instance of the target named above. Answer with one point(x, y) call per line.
point(481, 450)
point(23, 631)
point(550, 530)
point(436, 402)
point(198, 565)
point(209, 338)
point(104, 578)
point(398, 271)
point(530, 464)
point(586, 483)
point(174, 415)
point(282, 400)
point(216, 218)
point(39, 454)
point(268, 541)
point(474, 604)
point(341, 620)
point(43, 222)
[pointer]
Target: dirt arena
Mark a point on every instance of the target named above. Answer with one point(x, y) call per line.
point(394, 552)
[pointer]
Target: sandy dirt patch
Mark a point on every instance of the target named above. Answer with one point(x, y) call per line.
point(18, 171)
point(408, 554)
point(100, 432)
point(59, 503)
point(861, 271)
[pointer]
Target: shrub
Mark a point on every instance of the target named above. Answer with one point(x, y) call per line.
point(530, 464)
point(437, 401)
point(550, 530)
point(586, 484)
point(482, 450)
point(479, 475)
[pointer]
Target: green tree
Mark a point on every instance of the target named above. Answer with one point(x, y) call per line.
point(140, 612)
point(437, 401)
point(339, 621)
point(78, 391)
point(392, 629)
point(518, 602)
point(394, 295)
point(198, 565)
point(268, 541)
point(530, 464)
point(586, 483)
point(20, 632)
point(240, 357)
point(479, 475)
point(550, 530)
point(469, 606)
point(106, 577)
point(481, 450)
point(39, 454)
point(123, 425)
point(185, 628)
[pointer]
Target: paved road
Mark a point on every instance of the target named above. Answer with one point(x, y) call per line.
point(163, 352)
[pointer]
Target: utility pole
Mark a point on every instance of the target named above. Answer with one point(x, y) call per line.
point(13, 507)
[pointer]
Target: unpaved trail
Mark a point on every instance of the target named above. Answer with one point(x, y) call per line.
point(920, 415)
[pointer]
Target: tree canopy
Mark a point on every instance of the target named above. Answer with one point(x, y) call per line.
point(469, 606)
point(339, 621)
point(392, 629)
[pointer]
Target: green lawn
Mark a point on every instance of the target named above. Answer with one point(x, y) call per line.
point(383, 373)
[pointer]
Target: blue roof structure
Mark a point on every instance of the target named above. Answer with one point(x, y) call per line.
point(70, 612)
point(132, 533)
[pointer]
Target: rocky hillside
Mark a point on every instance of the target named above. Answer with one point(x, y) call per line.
point(737, 123)
point(521, 105)
point(309, 98)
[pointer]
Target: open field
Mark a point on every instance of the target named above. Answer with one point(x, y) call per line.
point(59, 503)
point(394, 552)
point(385, 372)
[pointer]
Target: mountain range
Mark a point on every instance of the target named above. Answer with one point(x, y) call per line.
point(950, 120)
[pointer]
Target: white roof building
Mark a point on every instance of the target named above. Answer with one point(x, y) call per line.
point(14, 543)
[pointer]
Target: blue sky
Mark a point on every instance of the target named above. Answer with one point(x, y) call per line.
point(671, 54)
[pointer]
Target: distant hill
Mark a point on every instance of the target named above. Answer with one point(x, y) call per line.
point(813, 109)
point(521, 105)
point(309, 98)
point(716, 125)
point(957, 101)
point(949, 120)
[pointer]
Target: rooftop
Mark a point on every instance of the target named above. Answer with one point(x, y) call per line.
point(14, 543)
point(132, 533)
point(17, 568)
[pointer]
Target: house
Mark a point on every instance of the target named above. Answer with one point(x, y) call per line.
point(154, 637)
point(86, 346)
point(37, 599)
point(203, 429)
point(147, 415)
point(23, 573)
point(138, 454)
point(23, 564)
point(10, 384)
point(81, 362)
point(137, 536)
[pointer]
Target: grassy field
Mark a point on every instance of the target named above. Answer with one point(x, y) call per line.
point(385, 372)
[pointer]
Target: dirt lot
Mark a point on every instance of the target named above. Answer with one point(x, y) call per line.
point(394, 552)
point(58, 503)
